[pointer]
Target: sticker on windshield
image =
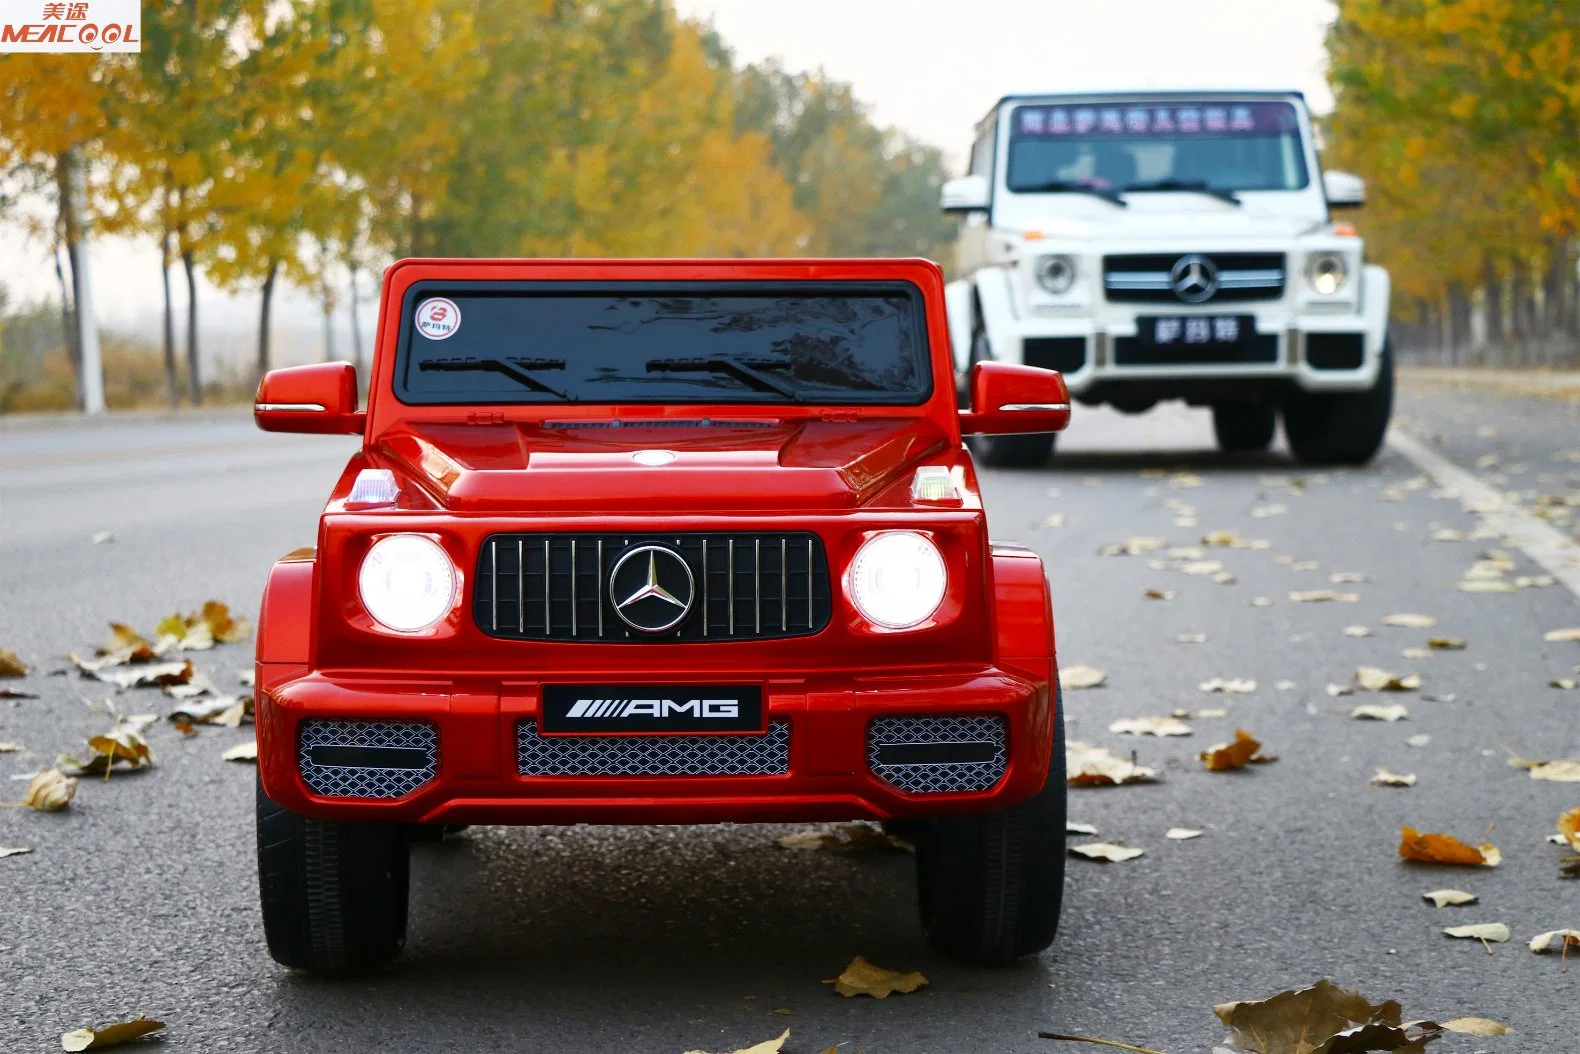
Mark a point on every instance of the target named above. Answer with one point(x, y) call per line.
point(438, 318)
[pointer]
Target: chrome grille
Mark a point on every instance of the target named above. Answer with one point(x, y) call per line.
point(556, 586)
point(980, 740)
point(415, 744)
point(641, 755)
point(1145, 277)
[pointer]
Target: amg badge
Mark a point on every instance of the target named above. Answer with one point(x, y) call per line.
point(662, 708)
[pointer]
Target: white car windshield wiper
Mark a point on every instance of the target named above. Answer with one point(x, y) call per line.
point(1065, 186)
point(1192, 186)
point(748, 371)
point(518, 369)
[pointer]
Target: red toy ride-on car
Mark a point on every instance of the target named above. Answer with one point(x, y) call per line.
point(657, 542)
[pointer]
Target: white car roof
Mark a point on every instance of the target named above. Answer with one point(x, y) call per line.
point(1149, 93)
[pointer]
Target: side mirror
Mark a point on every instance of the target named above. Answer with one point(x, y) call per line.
point(1007, 400)
point(967, 194)
point(1343, 190)
point(320, 399)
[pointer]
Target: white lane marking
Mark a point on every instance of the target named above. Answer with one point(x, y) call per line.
point(1558, 554)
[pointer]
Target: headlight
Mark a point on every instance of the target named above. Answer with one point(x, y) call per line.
point(1325, 273)
point(897, 579)
point(1056, 274)
point(407, 582)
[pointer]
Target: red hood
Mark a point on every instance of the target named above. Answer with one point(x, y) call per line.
point(769, 467)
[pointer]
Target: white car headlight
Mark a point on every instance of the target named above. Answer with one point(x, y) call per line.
point(407, 582)
point(1056, 273)
point(1325, 273)
point(897, 579)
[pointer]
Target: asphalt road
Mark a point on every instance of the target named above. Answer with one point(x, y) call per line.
point(142, 898)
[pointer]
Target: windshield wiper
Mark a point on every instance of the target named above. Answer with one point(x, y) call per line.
point(1194, 186)
point(1064, 186)
point(747, 371)
point(517, 369)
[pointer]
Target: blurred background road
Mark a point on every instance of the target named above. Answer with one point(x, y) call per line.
point(142, 899)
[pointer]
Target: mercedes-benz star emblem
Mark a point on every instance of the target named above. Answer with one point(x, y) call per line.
point(652, 588)
point(1194, 278)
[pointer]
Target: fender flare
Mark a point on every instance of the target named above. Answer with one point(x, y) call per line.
point(1023, 634)
point(1376, 289)
point(988, 298)
point(285, 619)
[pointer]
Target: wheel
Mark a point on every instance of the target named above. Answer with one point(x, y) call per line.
point(333, 893)
point(1346, 428)
point(1013, 451)
point(990, 887)
point(1243, 427)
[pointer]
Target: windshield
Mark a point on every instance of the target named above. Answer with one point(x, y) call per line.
point(1218, 146)
point(686, 342)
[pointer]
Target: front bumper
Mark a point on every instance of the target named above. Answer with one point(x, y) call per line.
point(818, 748)
point(1314, 353)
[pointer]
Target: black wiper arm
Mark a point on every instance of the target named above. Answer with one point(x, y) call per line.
point(1064, 186)
point(1195, 186)
point(517, 369)
point(744, 371)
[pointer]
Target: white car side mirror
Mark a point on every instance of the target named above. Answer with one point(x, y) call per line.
point(1343, 190)
point(966, 194)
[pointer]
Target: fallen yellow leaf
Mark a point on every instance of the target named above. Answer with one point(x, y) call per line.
point(1150, 726)
point(1410, 620)
point(1105, 852)
point(1384, 778)
point(1310, 1019)
point(242, 752)
point(863, 978)
point(1373, 712)
point(767, 1046)
point(50, 791)
point(1444, 849)
point(1229, 686)
point(1090, 766)
point(1376, 679)
point(1496, 932)
point(1559, 635)
point(1444, 898)
point(11, 664)
point(1565, 771)
point(1074, 677)
point(1481, 1027)
point(1543, 942)
point(1243, 751)
point(110, 1035)
point(1569, 827)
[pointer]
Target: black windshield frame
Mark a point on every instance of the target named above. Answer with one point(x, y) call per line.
point(912, 317)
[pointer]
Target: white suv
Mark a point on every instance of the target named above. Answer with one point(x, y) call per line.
point(1173, 245)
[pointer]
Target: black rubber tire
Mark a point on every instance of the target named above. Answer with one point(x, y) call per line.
point(1031, 450)
point(333, 894)
point(990, 887)
point(1244, 427)
point(1347, 428)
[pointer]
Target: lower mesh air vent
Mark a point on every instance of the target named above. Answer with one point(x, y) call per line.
point(938, 755)
point(366, 759)
point(669, 755)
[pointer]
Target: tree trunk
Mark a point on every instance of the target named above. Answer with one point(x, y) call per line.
point(68, 320)
point(356, 324)
point(194, 378)
point(70, 231)
point(1458, 322)
point(326, 305)
point(172, 380)
point(263, 318)
point(1553, 287)
point(1492, 293)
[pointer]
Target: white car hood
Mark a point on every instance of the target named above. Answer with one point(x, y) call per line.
point(1165, 216)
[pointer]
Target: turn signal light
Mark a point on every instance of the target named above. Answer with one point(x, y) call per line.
point(374, 488)
point(935, 483)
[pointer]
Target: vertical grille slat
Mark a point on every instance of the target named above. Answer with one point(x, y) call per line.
point(751, 585)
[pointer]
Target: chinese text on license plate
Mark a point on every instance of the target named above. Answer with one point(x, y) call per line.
point(1197, 329)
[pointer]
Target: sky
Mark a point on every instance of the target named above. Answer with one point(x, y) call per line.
point(930, 67)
